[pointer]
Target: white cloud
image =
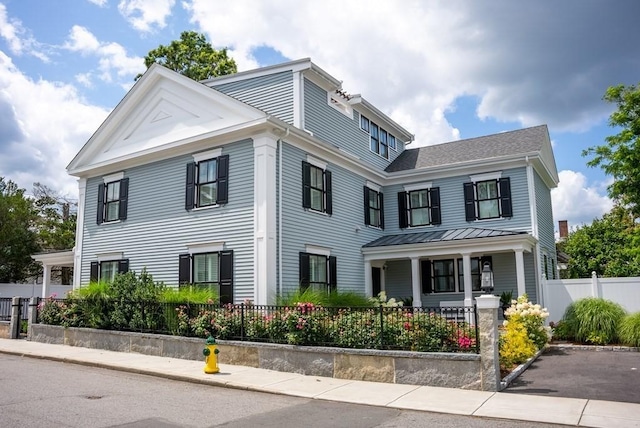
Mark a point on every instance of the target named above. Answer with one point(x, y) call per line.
point(48, 124)
point(144, 15)
point(17, 38)
point(112, 56)
point(101, 3)
point(574, 200)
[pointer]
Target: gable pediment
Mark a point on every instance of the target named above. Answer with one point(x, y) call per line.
point(163, 110)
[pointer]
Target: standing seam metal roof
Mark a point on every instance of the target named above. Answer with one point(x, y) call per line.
point(439, 236)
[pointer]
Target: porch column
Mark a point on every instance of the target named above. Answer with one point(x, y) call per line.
point(520, 281)
point(368, 283)
point(415, 282)
point(77, 255)
point(46, 280)
point(468, 286)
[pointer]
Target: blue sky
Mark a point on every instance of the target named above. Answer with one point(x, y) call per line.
point(444, 70)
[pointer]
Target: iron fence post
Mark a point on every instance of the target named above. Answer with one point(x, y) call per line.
point(242, 321)
point(381, 327)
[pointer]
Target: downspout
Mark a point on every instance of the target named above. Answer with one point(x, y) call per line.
point(280, 169)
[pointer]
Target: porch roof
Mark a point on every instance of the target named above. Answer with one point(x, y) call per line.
point(440, 236)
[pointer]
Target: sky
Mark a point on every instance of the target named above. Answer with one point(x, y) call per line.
point(444, 70)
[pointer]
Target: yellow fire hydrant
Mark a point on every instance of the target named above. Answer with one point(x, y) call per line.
point(211, 356)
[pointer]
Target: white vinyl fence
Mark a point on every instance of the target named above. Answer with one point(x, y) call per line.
point(32, 290)
point(559, 293)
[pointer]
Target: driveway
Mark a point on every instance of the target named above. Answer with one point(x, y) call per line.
point(576, 373)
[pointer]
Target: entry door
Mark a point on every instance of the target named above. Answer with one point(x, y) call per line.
point(376, 280)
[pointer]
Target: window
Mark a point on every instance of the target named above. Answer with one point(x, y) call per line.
point(316, 188)
point(373, 208)
point(487, 199)
point(447, 276)
point(317, 271)
point(106, 270)
point(420, 207)
point(207, 182)
point(379, 139)
point(213, 271)
point(113, 199)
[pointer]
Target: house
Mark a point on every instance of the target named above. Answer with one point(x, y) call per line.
point(264, 181)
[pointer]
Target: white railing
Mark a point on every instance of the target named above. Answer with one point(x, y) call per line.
point(560, 293)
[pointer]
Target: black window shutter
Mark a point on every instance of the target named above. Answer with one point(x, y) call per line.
point(402, 210)
point(435, 205)
point(93, 276)
point(367, 216)
point(190, 190)
point(304, 271)
point(381, 200)
point(226, 277)
point(124, 199)
point(123, 266)
point(306, 185)
point(329, 192)
point(505, 197)
point(184, 269)
point(223, 180)
point(425, 276)
point(469, 202)
point(333, 273)
point(100, 217)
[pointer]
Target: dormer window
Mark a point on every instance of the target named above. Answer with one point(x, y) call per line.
point(380, 140)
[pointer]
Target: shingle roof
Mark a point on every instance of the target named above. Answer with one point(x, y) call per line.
point(510, 143)
point(439, 236)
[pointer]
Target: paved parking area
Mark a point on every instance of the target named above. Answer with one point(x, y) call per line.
point(575, 373)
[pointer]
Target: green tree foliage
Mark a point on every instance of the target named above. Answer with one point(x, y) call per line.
point(620, 157)
point(193, 57)
point(18, 236)
point(609, 246)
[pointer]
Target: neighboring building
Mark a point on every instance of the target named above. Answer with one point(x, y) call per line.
point(261, 182)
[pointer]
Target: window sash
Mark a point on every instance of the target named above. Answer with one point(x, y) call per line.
point(112, 201)
point(419, 208)
point(206, 268)
point(317, 189)
point(318, 269)
point(488, 199)
point(475, 274)
point(375, 217)
point(207, 183)
point(108, 270)
point(444, 276)
point(364, 123)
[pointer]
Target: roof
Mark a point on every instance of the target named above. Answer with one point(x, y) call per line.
point(519, 142)
point(440, 236)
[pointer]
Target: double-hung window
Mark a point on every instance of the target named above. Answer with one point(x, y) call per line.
point(373, 206)
point(113, 198)
point(316, 187)
point(208, 270)
point(318, 271)
point(419, 205)
point(487, 196)
point(207, 180)
point(447, 275)
point(106, 270)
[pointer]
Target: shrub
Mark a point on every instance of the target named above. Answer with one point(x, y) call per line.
point(188, 295)
point(51, 311)
point(135, 301)
point(629, 331)
point(515, 345)
point(560, 330)
point(334, 299)
point(594, 320)
point(532, 318)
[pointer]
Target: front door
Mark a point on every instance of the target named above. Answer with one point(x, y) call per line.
point(376, 280)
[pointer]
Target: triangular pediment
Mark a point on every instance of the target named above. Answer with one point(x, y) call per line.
point(162, 110)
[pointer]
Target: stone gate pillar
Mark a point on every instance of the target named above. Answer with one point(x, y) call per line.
point(488, 330)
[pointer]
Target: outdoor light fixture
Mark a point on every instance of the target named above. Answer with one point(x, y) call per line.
point(486, 284)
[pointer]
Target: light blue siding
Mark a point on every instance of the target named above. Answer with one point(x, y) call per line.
point(334, 127)
point(452, 205)
point(545, 224)
point(272, 94)
point(343, 232)
point(158, 228)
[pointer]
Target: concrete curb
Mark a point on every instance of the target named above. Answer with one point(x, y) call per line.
point(504, 383)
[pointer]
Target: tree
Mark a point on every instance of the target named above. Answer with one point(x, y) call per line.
point(608, 246)
point(620, 157)
point(193, 57)
point(18, 236)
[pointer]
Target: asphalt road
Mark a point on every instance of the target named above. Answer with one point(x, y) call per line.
point(595, 375)
point(42, 393)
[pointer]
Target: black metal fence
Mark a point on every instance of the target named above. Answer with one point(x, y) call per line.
point(437, 329)
point(5, 308)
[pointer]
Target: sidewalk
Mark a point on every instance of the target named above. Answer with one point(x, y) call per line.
point(569, 411)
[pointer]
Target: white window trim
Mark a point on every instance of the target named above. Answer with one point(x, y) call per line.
point(317, 163)
point(418, 186)
point(209, 154)
point(109, 257)
point(337, 102)
point(486, 177)
point(317, 250)
point(113, 177)
point(374, 186)
point(205, 247)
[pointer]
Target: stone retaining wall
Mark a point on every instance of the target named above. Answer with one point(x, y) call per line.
point(5, 330)
point(451, 370)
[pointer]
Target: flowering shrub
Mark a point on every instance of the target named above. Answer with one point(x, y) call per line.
point(381, 300)
point(51, 311)
point(516, 346)
point(531, 317)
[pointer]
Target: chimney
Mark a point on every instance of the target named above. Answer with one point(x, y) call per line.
point(564, 229)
